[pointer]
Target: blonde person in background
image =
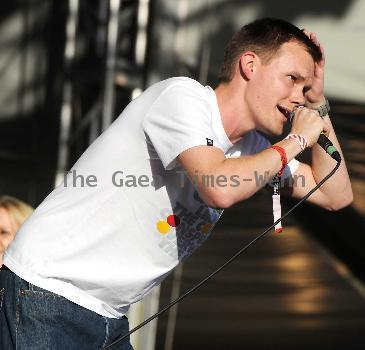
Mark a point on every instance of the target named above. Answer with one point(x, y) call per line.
point(13, 212)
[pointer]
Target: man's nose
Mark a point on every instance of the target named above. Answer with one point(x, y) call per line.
point(297, 97)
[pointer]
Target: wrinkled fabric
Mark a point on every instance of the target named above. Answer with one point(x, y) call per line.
point(32, 318)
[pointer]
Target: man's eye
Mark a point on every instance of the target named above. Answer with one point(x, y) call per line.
point(292, 77)
point(3, 232)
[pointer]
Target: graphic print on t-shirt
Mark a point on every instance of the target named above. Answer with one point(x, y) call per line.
point(185, 230)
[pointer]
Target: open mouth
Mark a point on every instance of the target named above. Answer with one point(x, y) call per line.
point(285, 112)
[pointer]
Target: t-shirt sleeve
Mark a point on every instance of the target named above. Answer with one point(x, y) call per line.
point(254, 142)
point(179, 119)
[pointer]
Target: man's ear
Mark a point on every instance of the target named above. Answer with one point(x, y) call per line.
point(247, 64)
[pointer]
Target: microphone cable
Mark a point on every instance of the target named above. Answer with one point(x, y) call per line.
point(207, 278)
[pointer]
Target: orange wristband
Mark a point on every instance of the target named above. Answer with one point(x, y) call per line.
point(284, 159)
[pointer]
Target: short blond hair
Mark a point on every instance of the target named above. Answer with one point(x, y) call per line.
point(16, 208)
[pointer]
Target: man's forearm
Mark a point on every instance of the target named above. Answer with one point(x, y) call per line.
point(338, 188)
point(253, 172)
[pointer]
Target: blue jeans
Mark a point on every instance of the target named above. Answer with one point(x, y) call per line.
point(32, 318)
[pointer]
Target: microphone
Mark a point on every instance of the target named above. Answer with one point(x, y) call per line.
point(323, 140)
point(327, 145)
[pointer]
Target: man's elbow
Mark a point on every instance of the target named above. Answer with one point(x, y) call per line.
point(218, 198)
point(224, 197)
point(342, 202)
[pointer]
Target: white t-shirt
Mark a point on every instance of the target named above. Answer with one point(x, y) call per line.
point(126, 214)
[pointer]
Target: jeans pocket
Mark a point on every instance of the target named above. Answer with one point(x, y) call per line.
point(33, 289)
point(49, 321)
point(2, 292)
point(41, 319)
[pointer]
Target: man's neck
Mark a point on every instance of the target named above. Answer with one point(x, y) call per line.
point(234, 112)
